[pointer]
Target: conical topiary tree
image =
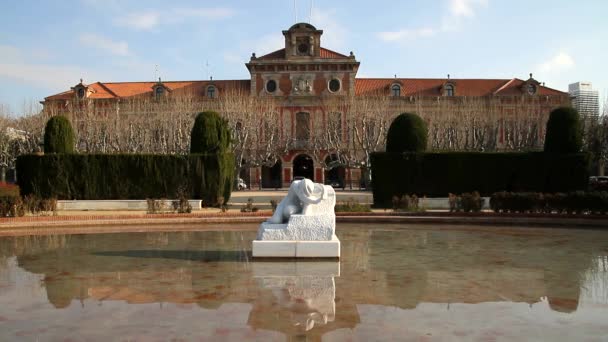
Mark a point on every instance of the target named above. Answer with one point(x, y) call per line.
point(564, 134)
point(407, 133)
point(210, 134)
point(58, 135)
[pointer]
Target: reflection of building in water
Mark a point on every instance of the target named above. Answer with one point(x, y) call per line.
point(379, 270)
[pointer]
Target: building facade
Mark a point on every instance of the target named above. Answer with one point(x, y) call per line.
point(313, 89)
point(585, 99)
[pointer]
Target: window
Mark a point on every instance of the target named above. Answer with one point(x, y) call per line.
point(334, 85)
point(80, 93)
point(303, 48)
point(531, 89)
point(396, 90)
point(449, 90)
point(271, 86)
point(158, 92)
point(211, 92)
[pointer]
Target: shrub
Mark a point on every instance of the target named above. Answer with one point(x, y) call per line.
point(351, 205)
point(127, 176)
point(249, 208)
point(471, 202)
point(405, 203)
point(40, 206)
point(11, 206)
point(58, 135)
point(436, 174)
point(407, 133)
point(210, 134)
point(181, 205)
point(574, 202)
point(564, 134)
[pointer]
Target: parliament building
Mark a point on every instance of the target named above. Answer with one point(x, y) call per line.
point(301, 77)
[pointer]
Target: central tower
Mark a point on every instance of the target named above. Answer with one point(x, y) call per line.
point(303, 71)
point(302, 40)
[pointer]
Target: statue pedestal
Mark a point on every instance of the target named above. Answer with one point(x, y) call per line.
point(296, 249)
point(311, 234)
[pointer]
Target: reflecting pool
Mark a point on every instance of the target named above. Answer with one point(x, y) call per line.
point(393, 282)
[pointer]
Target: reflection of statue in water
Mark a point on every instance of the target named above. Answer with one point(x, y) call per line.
point(303, 225)
point(304, 293)
point(302, 193)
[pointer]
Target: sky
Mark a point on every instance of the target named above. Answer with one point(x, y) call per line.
point(46, 47)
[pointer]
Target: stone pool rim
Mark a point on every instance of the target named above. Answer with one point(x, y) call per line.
point(49, 225)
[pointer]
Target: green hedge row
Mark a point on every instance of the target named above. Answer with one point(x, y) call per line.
point(438, 174)
point(127, 176)
point(595, 202)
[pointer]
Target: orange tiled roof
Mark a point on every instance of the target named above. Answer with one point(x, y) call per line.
point(327, 53)
point(279, 54)
point(109, 90)
point(323, 53)
point(433, 87)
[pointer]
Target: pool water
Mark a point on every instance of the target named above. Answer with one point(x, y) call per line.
point(393, 282)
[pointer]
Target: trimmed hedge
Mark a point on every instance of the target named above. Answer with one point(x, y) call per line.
point(127, 176)
point(407, 133)
point(58, 135)
point(564, 133)
point(437, 174)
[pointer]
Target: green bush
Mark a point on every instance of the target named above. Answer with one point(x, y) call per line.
point(58, 135)
point(579, 202)
point(127, 176)
point(437, 174)
point(11, 206)
point(564, 134)
point(471, 202)
point(210, 134)
point(405, 203)
point(407, 133)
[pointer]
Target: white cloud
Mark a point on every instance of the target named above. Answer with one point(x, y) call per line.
point(465, 8)
point(56, 77)
point(150, 19)
point(559, 62)
point(207, 13)
point(15, 67)
point(10, 53)
point(139, 21)
point(407, 34)
point(102, 43)
point(456, 11)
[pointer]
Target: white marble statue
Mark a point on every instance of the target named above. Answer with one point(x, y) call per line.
point(302, 223)
point(301, 196)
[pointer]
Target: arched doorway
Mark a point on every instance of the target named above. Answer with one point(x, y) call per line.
point(303, 166)
point(335, 172)
point(271, 176)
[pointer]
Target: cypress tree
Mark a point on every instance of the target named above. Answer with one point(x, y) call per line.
point(407, 133)
point(58, 135)
point(564, 134)
point(210, 134)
